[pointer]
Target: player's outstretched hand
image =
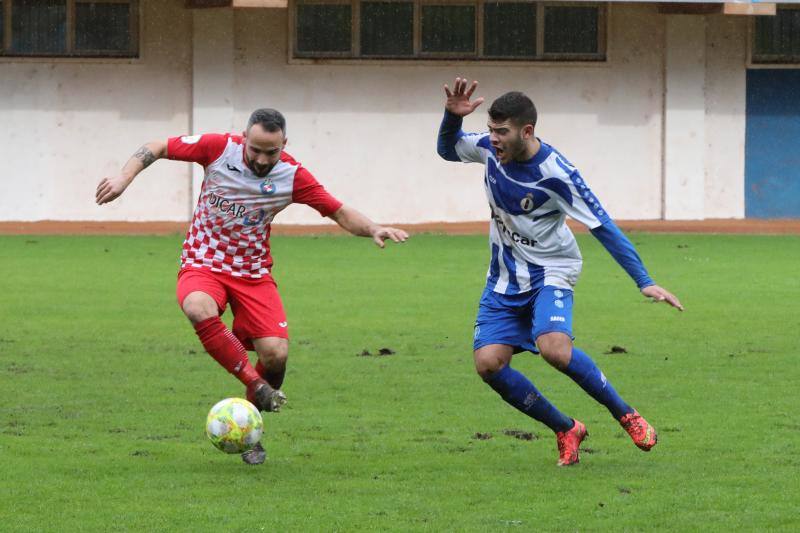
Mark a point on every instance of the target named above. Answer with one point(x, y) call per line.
point(109, 189)
point(458, 99)
point(660, 294)
point(381, 234)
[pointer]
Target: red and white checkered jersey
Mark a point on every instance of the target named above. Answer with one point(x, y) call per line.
point(231, 224)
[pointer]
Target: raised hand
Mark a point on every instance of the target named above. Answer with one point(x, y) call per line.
point(457, 101)
point(662, 295)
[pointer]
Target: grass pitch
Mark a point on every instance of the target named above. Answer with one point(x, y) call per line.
point(105, 390)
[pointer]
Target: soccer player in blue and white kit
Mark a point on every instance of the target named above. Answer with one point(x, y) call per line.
point(527, 302)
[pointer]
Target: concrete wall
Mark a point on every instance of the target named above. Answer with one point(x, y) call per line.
point(367, 130)
point(726, 85)
point(68, 123)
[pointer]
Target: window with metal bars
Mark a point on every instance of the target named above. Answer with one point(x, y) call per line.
point(777, 39)
point(457, 29)
point(67, 28)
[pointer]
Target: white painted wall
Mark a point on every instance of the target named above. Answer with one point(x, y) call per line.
point(684, 117)
point(369, 132)
point(726, 93)
point(68, 123)
point(366, 130)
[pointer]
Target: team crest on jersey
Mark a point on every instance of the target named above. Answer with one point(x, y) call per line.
point(255, 217)
point(527, 203)
point(267, 187)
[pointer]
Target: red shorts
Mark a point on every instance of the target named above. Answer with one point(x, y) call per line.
point(255, 303)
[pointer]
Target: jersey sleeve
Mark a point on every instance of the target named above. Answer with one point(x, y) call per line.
point(623, 251)
point(473, 147)
point(203, 149)
point(454, 145)
point(307, 190)
point(576, 199)
point(573, 196)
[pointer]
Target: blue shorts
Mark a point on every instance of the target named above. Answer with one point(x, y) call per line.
point(518, 319)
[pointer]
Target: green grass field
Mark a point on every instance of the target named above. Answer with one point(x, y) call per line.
point(105, 390)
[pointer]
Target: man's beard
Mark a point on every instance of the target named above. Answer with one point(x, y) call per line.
point(516, 151)
point(261, 174)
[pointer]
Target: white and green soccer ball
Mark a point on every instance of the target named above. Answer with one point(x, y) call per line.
point(234, 425)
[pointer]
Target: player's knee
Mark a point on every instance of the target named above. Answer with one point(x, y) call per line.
point(487, 364)
point(272, 351)
point(198, 306)
point(556, 349)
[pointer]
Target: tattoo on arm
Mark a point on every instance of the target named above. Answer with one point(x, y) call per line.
point(144, 155)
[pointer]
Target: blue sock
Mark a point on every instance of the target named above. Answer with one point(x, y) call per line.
point(518, 391)
point(585, 373)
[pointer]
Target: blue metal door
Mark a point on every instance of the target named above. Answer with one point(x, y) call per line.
point(772, 144)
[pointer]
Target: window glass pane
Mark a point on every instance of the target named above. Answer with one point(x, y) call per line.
point(570, 30)
point(101, 26)
point(448, 28)
point(39, 26)
point(387, 28)
point(509, 29)
point(323, 28)
point(778, 37)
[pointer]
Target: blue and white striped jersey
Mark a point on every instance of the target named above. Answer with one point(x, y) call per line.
point(531, 245)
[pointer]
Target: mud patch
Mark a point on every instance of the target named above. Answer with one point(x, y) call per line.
point(616, 349)
point(381, 352)
point(482, 436)
point(13, 368)
point(519, 434)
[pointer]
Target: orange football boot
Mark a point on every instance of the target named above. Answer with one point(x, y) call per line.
point(643, 434)
point(569, 443)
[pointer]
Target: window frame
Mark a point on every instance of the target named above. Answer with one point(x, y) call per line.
point(354, 56)
point(293, 52)
point(791, 63)
point(602, 25)
point(133, 52)
point(415, 29)
point(420, 54)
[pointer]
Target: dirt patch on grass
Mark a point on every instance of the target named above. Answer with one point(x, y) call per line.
point(616, 349)
point(381, 351)
point(519, 434)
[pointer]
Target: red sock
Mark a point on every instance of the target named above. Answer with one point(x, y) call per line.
point(260, 368)
point(220, 343)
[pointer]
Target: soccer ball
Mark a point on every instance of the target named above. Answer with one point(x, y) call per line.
point(234, 425)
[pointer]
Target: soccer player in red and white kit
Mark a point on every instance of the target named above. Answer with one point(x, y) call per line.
point(226, 257)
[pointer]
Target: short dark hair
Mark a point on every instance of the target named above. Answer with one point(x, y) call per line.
point(514, 106)
point(269, 119)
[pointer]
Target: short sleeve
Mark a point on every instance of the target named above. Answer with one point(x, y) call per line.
point(307, 190)
point(203, 149)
